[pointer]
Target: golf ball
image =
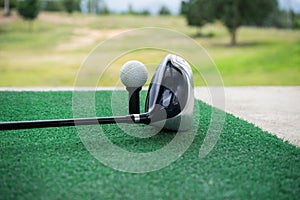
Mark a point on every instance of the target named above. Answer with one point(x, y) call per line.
point(133, 74)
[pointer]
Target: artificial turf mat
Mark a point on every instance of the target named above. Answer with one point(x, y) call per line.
point(52, 163)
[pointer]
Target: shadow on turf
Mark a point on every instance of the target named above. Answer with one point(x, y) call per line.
point(241, 44)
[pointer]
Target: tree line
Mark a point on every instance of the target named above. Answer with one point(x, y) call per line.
point(29, 9)
point(47, 5)
point(84, 6)
point(233, 13)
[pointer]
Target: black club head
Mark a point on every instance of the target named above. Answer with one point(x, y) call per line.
point(170, 98)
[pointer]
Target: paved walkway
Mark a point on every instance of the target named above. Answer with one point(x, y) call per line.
point(274, 109)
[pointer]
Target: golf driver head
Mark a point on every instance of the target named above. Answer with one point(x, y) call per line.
point(170, 98)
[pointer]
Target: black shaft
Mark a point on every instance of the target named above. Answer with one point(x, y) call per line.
point(65, 122)
point(134, 99)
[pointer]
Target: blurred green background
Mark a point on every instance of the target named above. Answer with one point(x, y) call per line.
point(48, 47)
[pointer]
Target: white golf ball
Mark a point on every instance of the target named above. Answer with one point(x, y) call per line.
point(133, 74)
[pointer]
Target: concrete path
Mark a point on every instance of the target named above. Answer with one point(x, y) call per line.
point(274, 109)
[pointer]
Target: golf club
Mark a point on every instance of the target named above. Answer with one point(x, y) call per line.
point(169, 103)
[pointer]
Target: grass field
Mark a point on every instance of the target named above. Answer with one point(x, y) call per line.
point(52, 53)
point(53, 163)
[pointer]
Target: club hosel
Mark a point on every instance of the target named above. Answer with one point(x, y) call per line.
point(134, 99)
point(143, 118)
point(148, 117)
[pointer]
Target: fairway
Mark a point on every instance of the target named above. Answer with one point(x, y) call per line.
point(52, 163)
point(53, 52)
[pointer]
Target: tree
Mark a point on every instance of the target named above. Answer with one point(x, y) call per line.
point(7, 5)
point(52, 6)
point(277, 19)
point(295, 19)
point(104, 10)
point(70, 5)
point(131, 10)
point(6, 8)
point(164, 11)
point(145, 12)
point(234, 13)
point(29, 10)
point(199, 12)
point(183, 7)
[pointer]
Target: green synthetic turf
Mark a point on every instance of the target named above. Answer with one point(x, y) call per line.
point(52, 163)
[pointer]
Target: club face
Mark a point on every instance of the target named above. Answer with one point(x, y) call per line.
point(170, 98)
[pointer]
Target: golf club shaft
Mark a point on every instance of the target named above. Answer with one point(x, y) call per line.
point(66, 122)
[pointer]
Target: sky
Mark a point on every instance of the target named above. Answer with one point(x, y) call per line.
point(174, 5)
point(290, 4)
